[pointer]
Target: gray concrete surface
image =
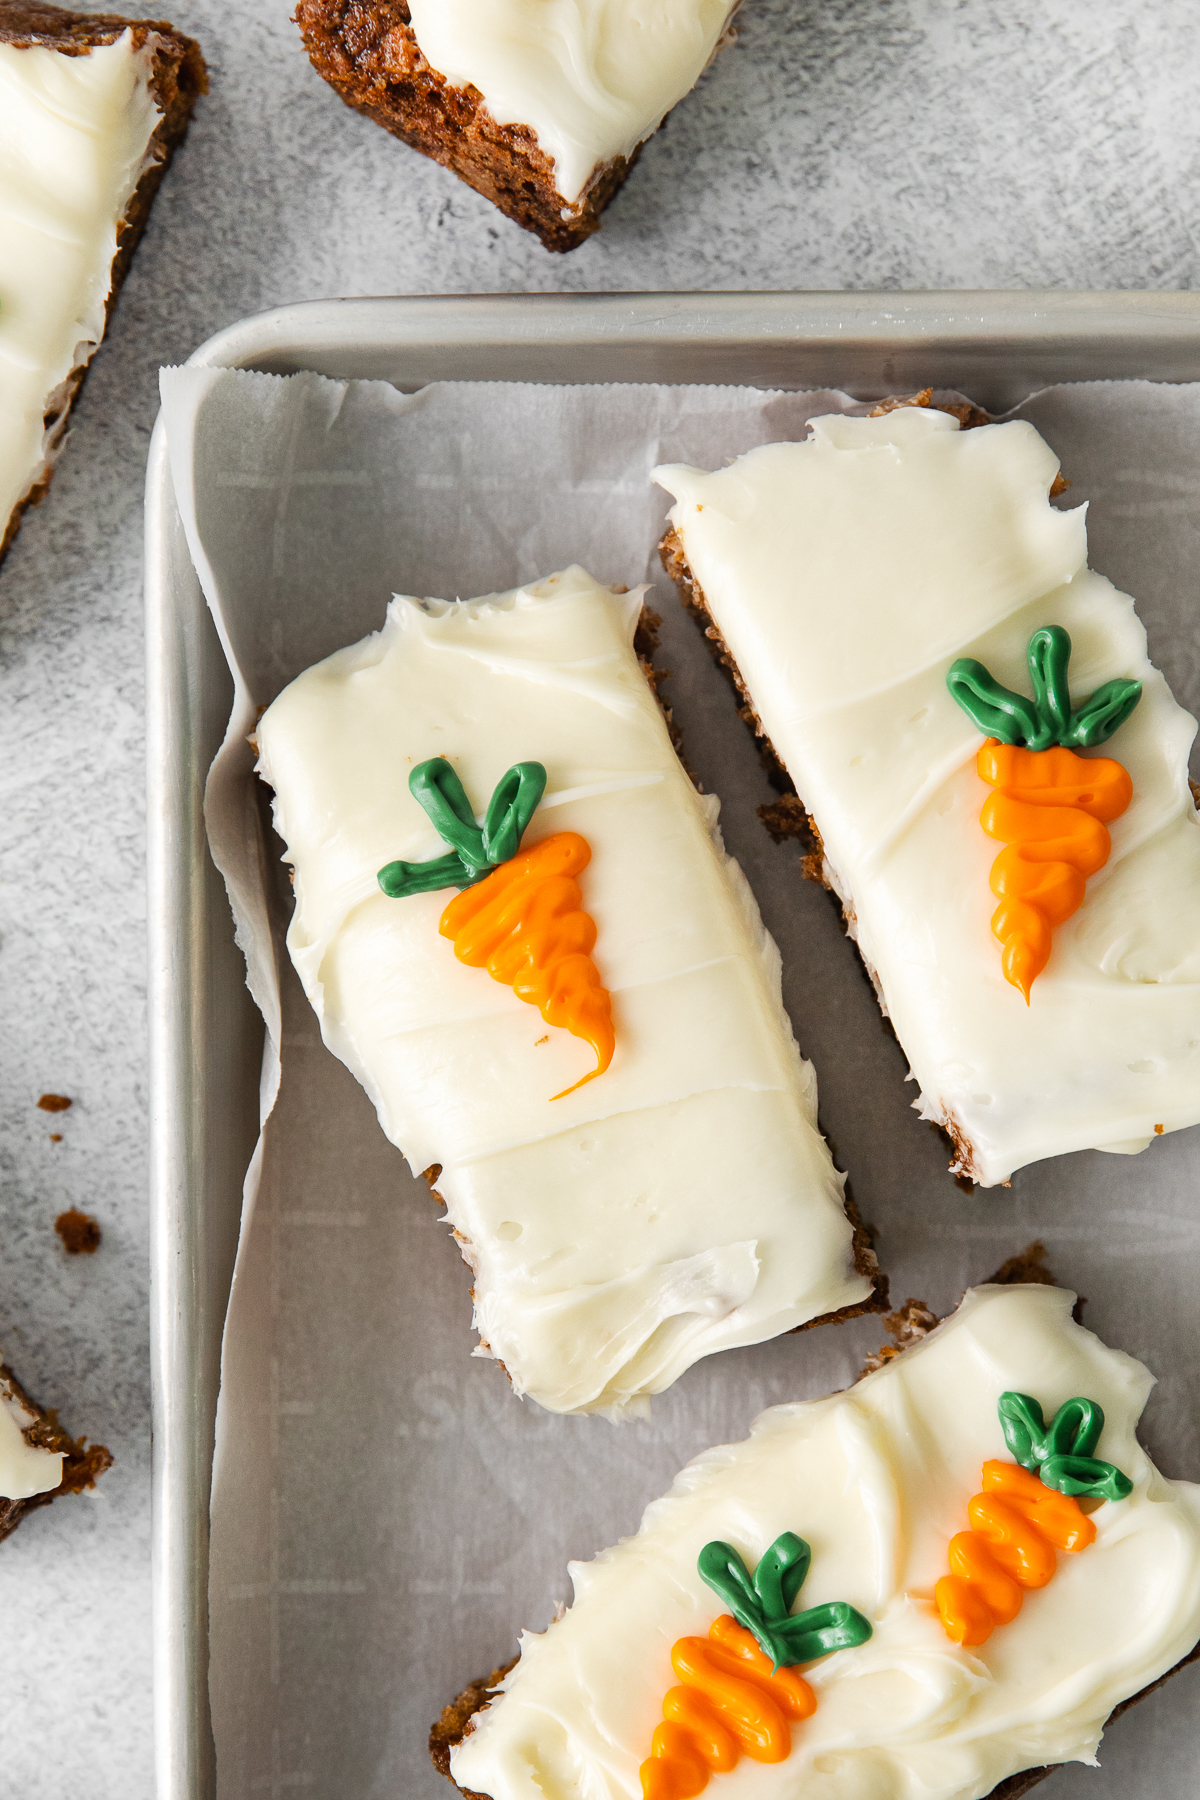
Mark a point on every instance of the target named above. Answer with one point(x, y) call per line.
point(847, 143)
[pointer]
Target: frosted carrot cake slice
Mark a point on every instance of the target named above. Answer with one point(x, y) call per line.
point(540, 105)
point(996, 771)
point(951, 1573)
point(92, 106)
point(39, 1461)
point(516, 922)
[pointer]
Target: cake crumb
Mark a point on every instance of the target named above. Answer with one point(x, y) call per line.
point(79, 1232)
point(53, 1102)
point(1159, 1129)
point(56, 1137)
point(787, 818)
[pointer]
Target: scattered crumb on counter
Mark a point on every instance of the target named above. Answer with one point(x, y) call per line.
point(54, 1103)
point(79, 1232)
point(56, 1137)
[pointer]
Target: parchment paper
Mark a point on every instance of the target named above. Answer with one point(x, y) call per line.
point(385, 1515)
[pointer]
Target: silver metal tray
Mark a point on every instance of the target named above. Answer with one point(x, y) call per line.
point(206, 1035)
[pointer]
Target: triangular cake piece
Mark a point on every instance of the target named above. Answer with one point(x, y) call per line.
point(541, 109)
point(93, 108)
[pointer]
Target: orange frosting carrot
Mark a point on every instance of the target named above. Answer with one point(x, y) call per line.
point(1017, 1525)
point(526, 925)
point(728, 1704)
point(1049, 808)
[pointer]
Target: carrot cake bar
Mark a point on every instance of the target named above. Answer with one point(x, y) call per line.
point(39, 1461)
point(952, 1572)
point(996, 771)
point(518, 927)
point(540, 105)
point(92, 107)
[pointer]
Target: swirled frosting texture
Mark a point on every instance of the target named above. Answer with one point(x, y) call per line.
point(878, 1480)
point(593, 78)
point(74, 134)
point(684, 1202)
point(846, 573)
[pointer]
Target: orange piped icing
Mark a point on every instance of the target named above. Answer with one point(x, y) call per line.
point(1017, 1526)
point(526, 925)
point(729, 1703)
point(1049, 808)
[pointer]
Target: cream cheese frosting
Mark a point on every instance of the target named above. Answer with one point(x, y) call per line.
point(25, 1469)
point(684, 1201)
point(74, 139)
point(877, 1480)
point(845, 574)
point(592, 78)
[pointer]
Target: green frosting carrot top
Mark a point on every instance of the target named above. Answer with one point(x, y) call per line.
point(763, 1602)
point(1061, 1452)
point(1048, 718)
point(474, 851)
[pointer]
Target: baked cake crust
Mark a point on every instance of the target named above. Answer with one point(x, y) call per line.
point(82, 1463)
point(908, 1325)
point(455, 1721)
point(368, 52)
point(177, 78)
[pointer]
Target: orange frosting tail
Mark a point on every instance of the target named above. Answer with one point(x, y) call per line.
point(729, 1703)
point(525, 923)
point(1049, 809)
point(1017, 1525)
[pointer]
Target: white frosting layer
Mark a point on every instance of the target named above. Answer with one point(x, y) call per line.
point(684, 1201)
point(846, 573)
point(593, 78)
point(74, 133)
point(877, 1479)
point(24, 1469)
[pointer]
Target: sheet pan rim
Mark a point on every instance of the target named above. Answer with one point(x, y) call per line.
point(1034, 337)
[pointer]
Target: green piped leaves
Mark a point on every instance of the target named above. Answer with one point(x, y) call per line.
point(474, 851)
point(1048, 718)
point(1061, 1452)
point(763, 1603)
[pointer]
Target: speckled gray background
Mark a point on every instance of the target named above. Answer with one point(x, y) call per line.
point(850, 143)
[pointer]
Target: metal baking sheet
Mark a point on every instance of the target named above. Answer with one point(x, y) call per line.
point(206, 1034)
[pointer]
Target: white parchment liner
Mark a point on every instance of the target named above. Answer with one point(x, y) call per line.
point(385, 1515)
